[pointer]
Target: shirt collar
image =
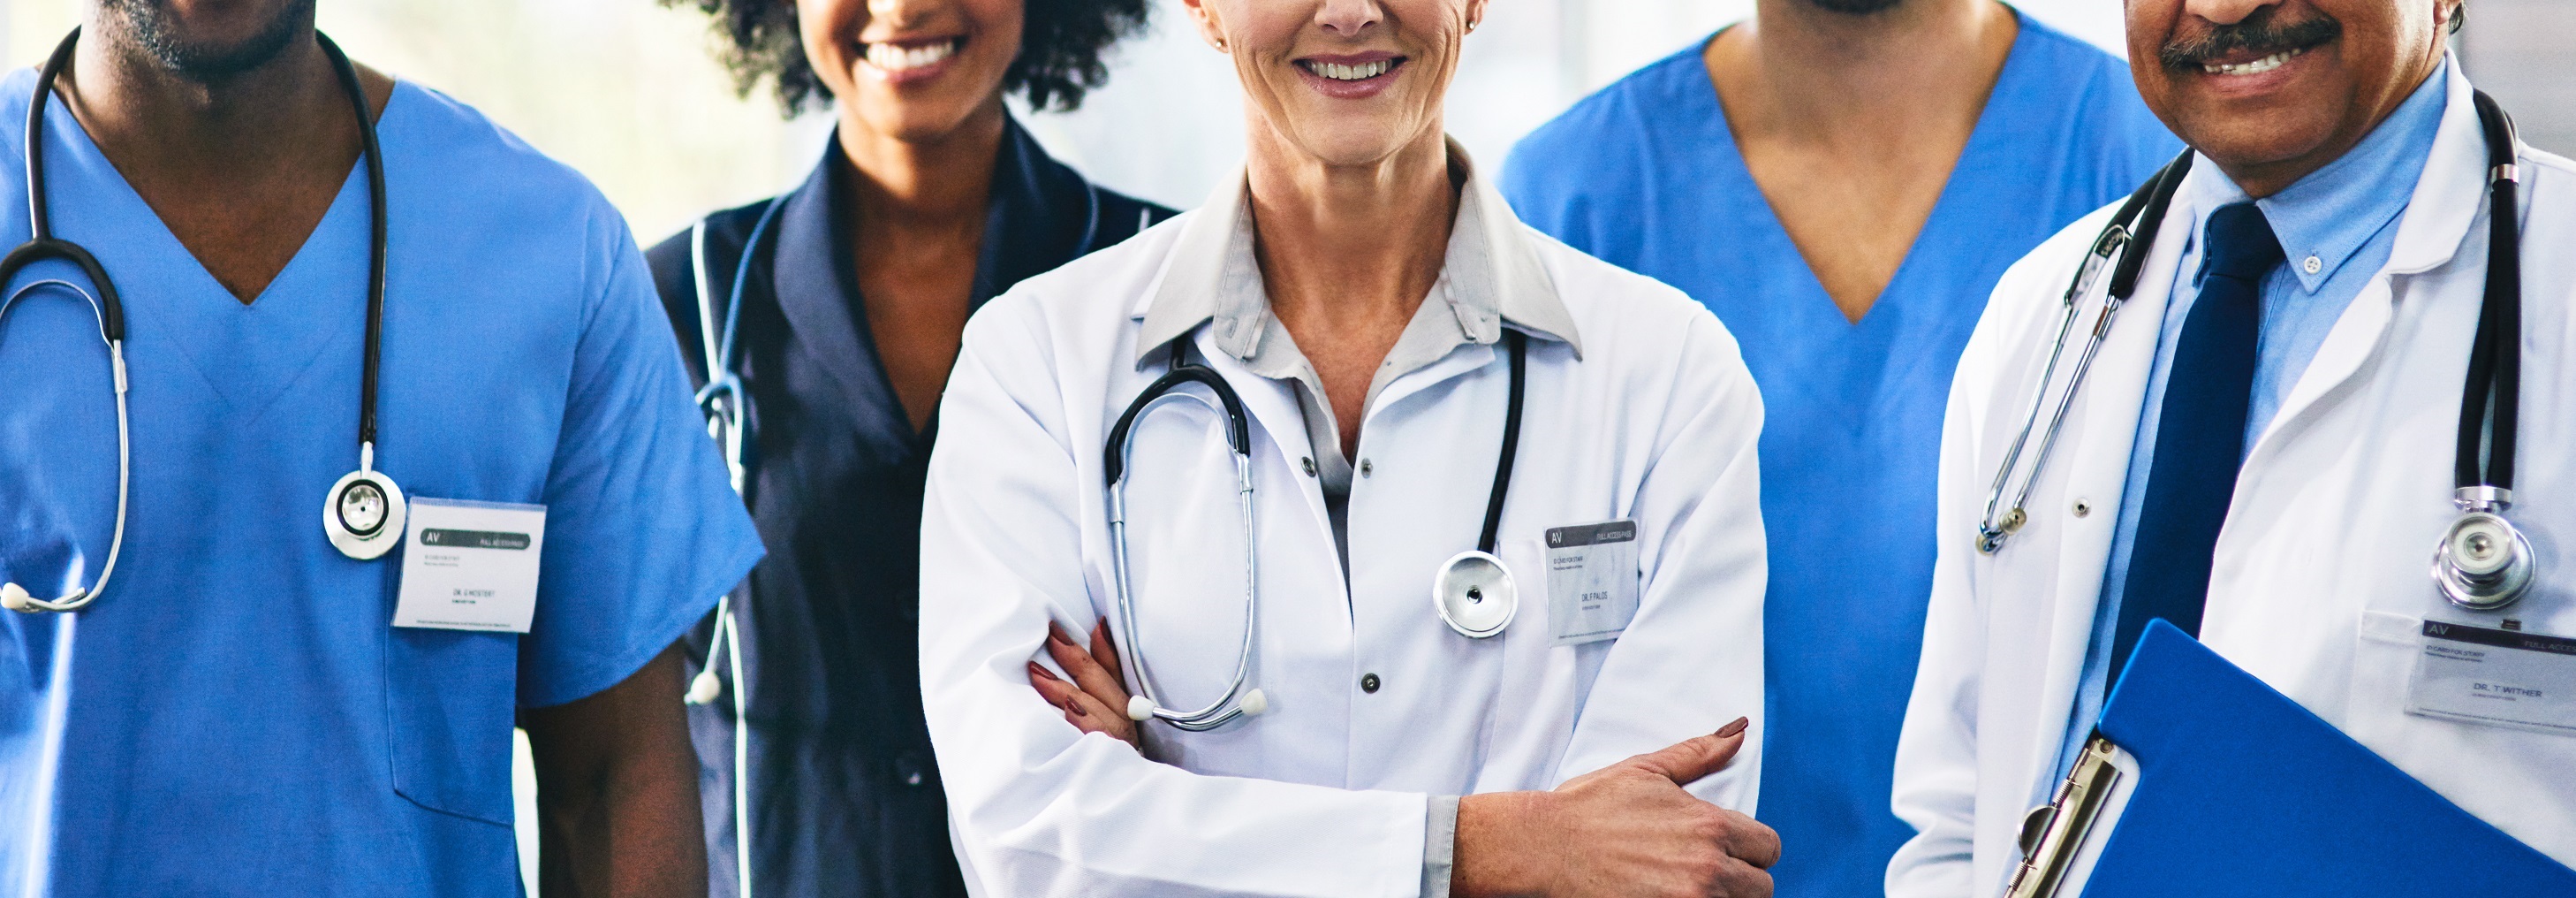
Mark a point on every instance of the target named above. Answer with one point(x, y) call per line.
point(1491, 274)
point(2326, 217)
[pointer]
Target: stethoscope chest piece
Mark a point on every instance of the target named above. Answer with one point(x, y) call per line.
point(364, 514)
point(2484, 562)
point(1475, 594)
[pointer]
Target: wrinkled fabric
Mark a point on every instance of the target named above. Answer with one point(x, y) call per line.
point(1646, 174)
point(845, 795)
point(235, 716)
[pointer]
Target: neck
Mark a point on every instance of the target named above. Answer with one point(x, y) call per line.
point(1350, 243)
point(908, 185)
point(1843, 72)
point(143, 114)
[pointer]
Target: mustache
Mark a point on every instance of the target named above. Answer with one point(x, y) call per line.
point(2256, 33)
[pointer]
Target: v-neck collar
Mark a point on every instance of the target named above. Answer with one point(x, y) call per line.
point(2010, 85)
point(814, 271)
point(247, 354)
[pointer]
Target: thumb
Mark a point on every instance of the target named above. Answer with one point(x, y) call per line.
point(1691, 759)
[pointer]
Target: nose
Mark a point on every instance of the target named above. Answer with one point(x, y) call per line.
point(1348, 18)
point(897, 14)
point(2224, 12)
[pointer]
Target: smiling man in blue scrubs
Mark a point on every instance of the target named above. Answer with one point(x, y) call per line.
point(1843, 181)
point(236, 714)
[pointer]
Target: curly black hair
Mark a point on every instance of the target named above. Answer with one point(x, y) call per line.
point(1061, 44)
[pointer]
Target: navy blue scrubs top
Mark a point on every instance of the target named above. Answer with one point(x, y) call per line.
point(845, 796)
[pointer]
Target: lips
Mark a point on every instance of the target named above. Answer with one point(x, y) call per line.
point(1353, 76)
point(2255, 67)
point(912, 60)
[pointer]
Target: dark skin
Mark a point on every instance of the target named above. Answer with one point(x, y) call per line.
point(241, 159)
point(922, 140)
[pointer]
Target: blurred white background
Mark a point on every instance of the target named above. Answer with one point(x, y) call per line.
point(625, 90)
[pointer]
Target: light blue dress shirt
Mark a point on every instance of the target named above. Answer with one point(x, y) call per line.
point(2337, 227)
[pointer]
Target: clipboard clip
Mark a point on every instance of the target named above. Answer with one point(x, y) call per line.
point(2053, 832)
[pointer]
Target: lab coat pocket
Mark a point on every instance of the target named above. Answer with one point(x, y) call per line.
point(451, 699)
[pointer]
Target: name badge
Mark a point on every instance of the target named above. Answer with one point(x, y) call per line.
point(2505, 678)
point(1591, 581)
point(470, 565)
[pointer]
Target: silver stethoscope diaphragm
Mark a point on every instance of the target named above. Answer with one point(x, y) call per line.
point(365, 512)
point(1474, 594)
point(2483, 563)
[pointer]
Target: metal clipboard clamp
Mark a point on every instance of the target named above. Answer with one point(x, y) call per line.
point(2060, 839)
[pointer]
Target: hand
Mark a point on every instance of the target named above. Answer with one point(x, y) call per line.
point(1626, 829)
point(1096, 699)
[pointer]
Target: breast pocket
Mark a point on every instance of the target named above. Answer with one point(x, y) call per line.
point(451, 699)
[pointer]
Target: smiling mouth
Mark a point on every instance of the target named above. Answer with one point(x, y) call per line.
point(897, 58)
point(1360, 72)
point(2255, 67)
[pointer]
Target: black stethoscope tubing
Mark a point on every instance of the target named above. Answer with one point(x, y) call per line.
point(2484, 562)
point(1238, 429)
point(43, 245)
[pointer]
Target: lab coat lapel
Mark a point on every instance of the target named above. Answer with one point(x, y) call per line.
point(2101, 433)
point(2446, 200)
point(1272, 405)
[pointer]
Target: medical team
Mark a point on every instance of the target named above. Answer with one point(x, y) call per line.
point(1623, 519)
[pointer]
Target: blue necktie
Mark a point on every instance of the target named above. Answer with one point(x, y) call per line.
point(2200, 438)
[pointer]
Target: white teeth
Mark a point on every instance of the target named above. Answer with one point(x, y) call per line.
point(2256, 67)
point(1361, 72)
point(895, 59)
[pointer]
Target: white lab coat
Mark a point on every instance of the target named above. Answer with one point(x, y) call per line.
point(2320, 583)
point(1326, 794)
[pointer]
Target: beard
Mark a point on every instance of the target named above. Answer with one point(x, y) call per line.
point(1855, 7)
point(164, 35)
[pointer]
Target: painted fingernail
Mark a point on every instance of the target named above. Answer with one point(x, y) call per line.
point(1036, 670)
point(1078, 712)
point(1733, 728)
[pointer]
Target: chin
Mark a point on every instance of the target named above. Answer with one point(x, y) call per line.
point(1353, 140)
point(2259, 138)
point(927, 120)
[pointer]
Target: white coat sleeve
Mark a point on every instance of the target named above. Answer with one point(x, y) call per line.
point(1035, 806)
point(1935, 787)
point(1691, 659)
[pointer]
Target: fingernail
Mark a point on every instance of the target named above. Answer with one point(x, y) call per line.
point(1078, 712)
point(1733, 728)
point(1056, 635)
point(1037, 671)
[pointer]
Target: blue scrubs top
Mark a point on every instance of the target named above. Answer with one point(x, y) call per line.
point(1645, 174)
point(845, 794)
point(236, 715)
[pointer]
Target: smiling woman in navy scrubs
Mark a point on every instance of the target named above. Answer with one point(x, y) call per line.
point(928, 200)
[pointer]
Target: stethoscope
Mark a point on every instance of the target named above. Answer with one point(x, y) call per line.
point(1472, 592)
point(724, 402)
point(363, 515)
point(2483, 562)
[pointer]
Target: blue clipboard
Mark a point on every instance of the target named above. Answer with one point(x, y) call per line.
point(2239, 791)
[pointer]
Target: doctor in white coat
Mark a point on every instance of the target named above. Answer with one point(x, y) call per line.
point(1364, 289)
point(2307, 309)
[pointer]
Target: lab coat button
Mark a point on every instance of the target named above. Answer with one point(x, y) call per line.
point(1368, 683)
point(1365, 467)
point(1307, 462)
point(2083, 508)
